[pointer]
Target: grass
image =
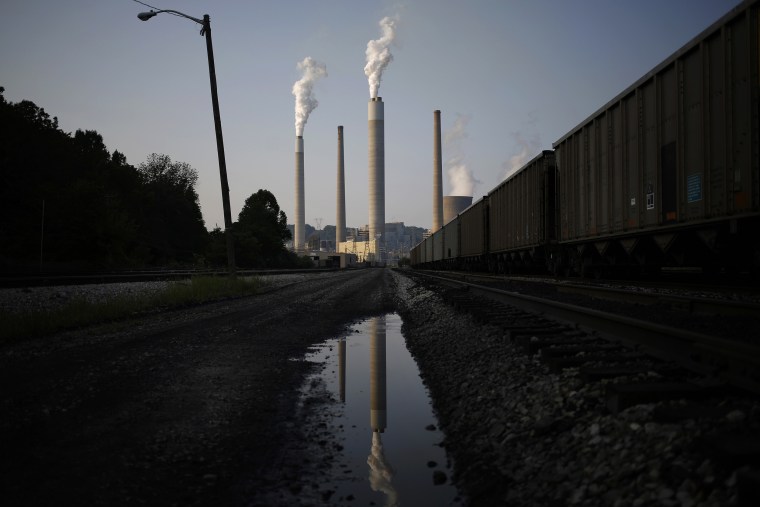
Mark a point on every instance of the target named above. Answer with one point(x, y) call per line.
point(80, 312)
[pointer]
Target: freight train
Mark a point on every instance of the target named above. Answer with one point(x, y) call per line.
point(667, 174)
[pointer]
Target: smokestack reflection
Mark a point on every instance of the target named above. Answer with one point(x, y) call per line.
point(380, 471)
point(378, 410)
point(342, 369)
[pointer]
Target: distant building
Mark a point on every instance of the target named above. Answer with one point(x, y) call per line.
point(399, 240)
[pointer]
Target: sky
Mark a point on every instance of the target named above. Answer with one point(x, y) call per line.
point(509, 76)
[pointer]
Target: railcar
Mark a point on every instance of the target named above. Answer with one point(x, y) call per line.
point(451, 244)
point(427, 255)
point(522, 217)
point(667, 173)
point(437, 241)
point(473, 236)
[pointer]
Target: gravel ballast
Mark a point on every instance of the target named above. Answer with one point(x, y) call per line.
point(201, 406)
point(521, 435)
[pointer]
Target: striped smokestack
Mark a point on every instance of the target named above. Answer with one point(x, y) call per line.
point(376, 124)
point(300, 226)
point(437, 173)
point(340, 219)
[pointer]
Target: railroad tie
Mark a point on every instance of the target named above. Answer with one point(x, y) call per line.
point(624, 395)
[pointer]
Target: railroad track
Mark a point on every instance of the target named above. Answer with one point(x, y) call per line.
point(697, 299)
point(47, 280)
point(603, 344)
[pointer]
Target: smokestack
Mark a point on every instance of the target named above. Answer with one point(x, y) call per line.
point(454, 205)
point(299, 235)
point(340, 219)
point(305, 103)
point(376, 124)
point(437, 173)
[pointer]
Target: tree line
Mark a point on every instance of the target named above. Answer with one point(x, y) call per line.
point(69, 204)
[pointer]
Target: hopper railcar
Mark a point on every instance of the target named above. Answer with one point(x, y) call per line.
point(667, 174)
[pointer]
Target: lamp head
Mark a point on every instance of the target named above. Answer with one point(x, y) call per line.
point(145, 16)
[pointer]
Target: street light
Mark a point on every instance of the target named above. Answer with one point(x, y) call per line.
point(206, 30)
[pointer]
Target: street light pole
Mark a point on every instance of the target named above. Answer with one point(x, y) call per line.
point(206, 30)
point(220, 147)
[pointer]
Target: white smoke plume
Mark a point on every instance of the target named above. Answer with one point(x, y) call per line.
point(462, 181)
point(379, 54)
point(311, 71)
point(528, 149)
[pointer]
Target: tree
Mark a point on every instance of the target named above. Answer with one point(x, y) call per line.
point(99, 211)
point(261, 232)
point(171, 219)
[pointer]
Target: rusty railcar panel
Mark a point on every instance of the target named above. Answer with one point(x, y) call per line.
point(651, 182)
point(428, 242)
point(437, 240)
point(517, 208)
point(414, 255)
point(633, 200)
point(451, 240)
point(472, 229)
point(716, 122)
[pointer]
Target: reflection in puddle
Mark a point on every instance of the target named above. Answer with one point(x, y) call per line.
point(376, 374)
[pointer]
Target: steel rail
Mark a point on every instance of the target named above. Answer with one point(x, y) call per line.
point(691, 304)
point(731, 361)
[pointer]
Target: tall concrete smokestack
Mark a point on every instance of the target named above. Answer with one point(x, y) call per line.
point(340, 219)
point(376, 124)
point(437, 173)
point(300, 226)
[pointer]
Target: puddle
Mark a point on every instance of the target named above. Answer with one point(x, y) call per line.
point(386, 432)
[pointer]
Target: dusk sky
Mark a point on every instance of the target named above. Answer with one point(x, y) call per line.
point(510, 77)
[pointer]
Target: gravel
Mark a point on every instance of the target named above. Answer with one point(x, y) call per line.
point(734, 327)
point(16, 300)
point(24, 299)
point(520, 435)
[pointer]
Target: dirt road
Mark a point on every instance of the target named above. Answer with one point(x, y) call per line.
point(186, 407)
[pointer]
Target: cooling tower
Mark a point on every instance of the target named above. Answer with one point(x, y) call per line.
point(376, 124)
point(437, 173)
point(300, 227)
point(340, 219)
point(454, 205)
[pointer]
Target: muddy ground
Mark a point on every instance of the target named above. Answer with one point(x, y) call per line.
point(204, 406)
point(188, 407)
